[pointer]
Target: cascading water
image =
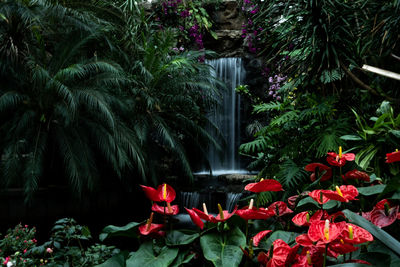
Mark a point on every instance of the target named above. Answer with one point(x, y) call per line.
point(226, 116)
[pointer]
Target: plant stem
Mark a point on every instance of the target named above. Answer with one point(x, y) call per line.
point(326, 252)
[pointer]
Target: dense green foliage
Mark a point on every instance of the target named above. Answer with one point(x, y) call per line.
point(95, 90)
point(320, 46)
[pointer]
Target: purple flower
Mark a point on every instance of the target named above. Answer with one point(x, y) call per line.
point(270, 79)
point(278, 98)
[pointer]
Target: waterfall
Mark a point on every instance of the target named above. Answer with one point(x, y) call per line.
point(231, 200)
point(227, 116)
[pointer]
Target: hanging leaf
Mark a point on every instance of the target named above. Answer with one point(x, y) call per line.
point(129, 230)
point(176, 238)
point(117, 260)
point(223, 250)
point(371, 190)
point(182, 258)
point(145, 256)
point(288, 237)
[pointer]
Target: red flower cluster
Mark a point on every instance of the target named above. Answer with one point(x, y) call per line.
point(383, 214)
point(339, 159)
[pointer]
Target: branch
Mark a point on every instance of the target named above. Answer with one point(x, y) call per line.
point(365, 86)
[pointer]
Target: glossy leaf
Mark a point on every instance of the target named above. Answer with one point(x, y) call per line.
point(117, 260)
point(145, 256)
point(182, 258)
point(223, 250)
point(288, 237)
point(129, 230)
point(371, 190)
point(176, 238)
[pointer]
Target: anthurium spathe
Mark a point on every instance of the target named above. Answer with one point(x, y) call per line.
point(282, 254)
point(325, 231)
point(319, 196)
point(304, 218)
point(259, 236)
point(222, 216)
point(150, 227)
point(317, 169)
point(339, 159)
point(166, 210)
point(264, 186)
point(344, 193)
point(393, 157)
point(383, 214)
point(279, 208)
point(195, 218)
point(356, 175)
point(354, 234)
point(164, 192)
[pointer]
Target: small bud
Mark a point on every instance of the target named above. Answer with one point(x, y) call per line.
point(251, 204)
point(205, 209)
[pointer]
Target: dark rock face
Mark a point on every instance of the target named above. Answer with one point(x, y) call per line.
point(228, 21)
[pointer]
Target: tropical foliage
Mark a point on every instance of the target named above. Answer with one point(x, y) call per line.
point(84, 85)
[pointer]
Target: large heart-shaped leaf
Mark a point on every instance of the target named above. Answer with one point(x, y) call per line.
point(129, 230)
point(371, 190)
point(176, 238)
point(378, 233)
point(145, 256)
point(306, 202)
point(224, 249)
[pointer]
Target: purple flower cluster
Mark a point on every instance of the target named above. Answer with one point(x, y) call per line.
point(197, 36)
point(171, 4)
point(250, 31)
point(274, 86)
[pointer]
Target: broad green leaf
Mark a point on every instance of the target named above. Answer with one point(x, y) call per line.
point(129, 230)
point(288, 237)
point(377, 259)
point(308, 200)
point(223, 250)
point(377, 232)
point(349, 265)
point(351, 137)
point(214, 35)
point(145, 256)
point(176, 238)
point(392, 186)
point(396, 133)
point(371, 190)
point(377, 246)
point(182, 258)
point(117, 260)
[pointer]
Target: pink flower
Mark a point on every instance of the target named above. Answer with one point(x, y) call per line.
point(49, 250)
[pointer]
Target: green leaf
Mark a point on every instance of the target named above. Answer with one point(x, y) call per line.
point(129, 230)
point(117, 260)
point(288, 237)
point(182, 258)
point(378, 246)
point(371, 190)
point(145, 256)
point(396, 133)
point(223, 250)
point(377, 232)
point(351, 137)
point(308, 200)
point(214, 35)
point(349, 265)
point(176, 238)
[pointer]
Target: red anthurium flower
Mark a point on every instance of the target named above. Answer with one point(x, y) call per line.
point(264, 185)
point(164, 192)
point(354, 234)
point(340, 247)
point(384, 213)
point(168, 210)
point(357, 175)
point(322, 169)
point(150, 227)
point(255, 214)
point(252, 213)
point(282, 254)
point(304, 218)
point(257, 238)
point(279, 208)
point(344, 193)
point(340, 159)
point(195, 218)
point(304, 240)
point(311, 256)
point(224, 215)
point(325, 231)
point(319, 196)
point(393, 157)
